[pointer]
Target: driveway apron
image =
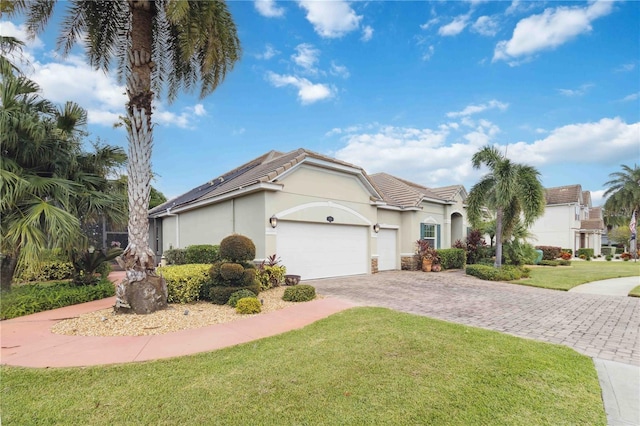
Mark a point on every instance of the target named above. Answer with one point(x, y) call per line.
point(604, 327)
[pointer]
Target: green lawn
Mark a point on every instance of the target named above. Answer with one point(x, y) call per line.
point(362, 366)
point(566, 277)
point(635, 292)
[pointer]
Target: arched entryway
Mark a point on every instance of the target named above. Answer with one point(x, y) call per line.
point(457, 228)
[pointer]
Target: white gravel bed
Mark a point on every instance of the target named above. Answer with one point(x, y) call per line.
point(175, 318)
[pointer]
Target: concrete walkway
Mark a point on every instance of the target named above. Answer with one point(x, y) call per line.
point(28, 342)
point(612, 287)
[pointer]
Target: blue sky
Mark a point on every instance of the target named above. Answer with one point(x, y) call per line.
point(409, 88)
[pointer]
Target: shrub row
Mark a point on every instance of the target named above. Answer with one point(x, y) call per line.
point(549, 252)
point(199, 253)
point(490, 273)
point(586, 252)
point(185, 282)
point(557, 262)
point(453, 258)
point(33, 298)
point(48, 271)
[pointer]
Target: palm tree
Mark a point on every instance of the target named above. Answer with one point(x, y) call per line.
point(160, 44)
point(44, 187)
point(511, 190)
point(623, 194)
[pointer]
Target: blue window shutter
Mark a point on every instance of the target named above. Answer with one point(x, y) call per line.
point(437, 236)
point(423, 230)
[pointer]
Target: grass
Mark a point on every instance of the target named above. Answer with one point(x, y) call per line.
point(361, 366)
point(567, 277)
point(635, 292)
point(33, 298)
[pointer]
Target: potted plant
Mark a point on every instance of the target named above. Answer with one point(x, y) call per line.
point(427, 254)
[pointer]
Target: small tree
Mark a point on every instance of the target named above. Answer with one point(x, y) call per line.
point(620, 235)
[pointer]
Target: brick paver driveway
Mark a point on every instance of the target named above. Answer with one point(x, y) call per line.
point(605, 327)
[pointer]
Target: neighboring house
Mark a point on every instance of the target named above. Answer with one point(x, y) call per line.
point(569, 220)
point(321, 216)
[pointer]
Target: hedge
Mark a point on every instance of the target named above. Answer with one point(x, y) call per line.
point(549, 252)
point(202, 253)
point(587, 252)
point(184, 282)
point(453, 258)
point(490, 273)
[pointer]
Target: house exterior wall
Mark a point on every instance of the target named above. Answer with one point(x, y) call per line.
point(210, 224)
point(311, 194)
point(557, 227)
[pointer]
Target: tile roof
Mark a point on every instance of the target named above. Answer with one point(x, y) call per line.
point(396, 192)
point(586, 198)
point(592, 224)
point(563, 194)
point(449, 192)
point(403, 193)
point(264, 169)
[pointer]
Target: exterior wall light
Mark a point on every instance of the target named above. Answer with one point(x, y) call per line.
point(273, 220)
point(376, 228)
point(329, 219)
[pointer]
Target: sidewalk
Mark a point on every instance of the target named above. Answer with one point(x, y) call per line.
point(611, 287)
point(28, 342)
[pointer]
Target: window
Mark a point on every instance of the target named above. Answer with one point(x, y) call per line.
point(431, 233)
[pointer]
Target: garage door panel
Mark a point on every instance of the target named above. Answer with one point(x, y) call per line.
point(322, 250)
point(387, 249)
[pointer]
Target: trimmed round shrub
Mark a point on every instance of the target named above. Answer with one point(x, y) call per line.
point(237, 248)
point(231, 271)
point(220, 295)
point(249, 277)
point(240, 294)
point(248, 305)
point(299, 293)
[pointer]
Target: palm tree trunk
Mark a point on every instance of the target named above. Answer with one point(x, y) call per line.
point(142, 291)
point(498, 262)
point(8, 266)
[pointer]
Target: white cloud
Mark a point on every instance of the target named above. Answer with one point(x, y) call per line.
point(486, 26)
point(597, 197)
point(608, 141)
point(307, 57)
point(9, 29)
point(455, 27)
point(199, 110)
point(428, 53)
point(268, 8)
point(367, 33)
point(475, 109)
point(339, 70)
point(269, 52)
point(331, 19)
point(405, 151)
point(308, 92)
point(576, 92)
point(631, 97)
point(626, 67)
point(74, 80)
point(429, 23)
point(548, 30)
point(518, 6)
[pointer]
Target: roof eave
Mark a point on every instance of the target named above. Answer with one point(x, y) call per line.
point(260, 186)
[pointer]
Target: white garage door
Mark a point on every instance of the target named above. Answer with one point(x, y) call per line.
point(322, 250)
point(387, 258)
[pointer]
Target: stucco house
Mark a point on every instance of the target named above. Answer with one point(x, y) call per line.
point(323, 217)
point(569, 220)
